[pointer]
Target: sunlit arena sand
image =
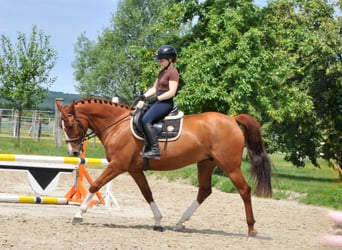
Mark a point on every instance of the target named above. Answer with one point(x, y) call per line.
point(218, 224)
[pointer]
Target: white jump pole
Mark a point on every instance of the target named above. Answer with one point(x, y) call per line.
point(53, 159)
point(33, 199)
point(54, 162)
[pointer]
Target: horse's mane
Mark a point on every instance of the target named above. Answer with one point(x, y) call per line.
point(98, 100)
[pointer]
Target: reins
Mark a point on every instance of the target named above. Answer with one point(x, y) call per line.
point(92, 134)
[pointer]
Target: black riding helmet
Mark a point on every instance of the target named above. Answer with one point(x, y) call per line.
point(166, 52)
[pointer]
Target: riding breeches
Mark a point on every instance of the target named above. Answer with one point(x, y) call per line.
point(157, 111)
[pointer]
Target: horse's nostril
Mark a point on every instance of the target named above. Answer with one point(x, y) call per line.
point(76, 153)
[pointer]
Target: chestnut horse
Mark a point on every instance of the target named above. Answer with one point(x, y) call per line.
point(209, 139)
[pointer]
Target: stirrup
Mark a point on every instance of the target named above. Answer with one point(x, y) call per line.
point(150, 154)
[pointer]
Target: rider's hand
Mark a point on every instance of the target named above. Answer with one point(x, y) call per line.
point(141, 98)
point(151, 99)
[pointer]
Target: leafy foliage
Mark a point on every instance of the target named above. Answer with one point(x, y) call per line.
point(25, 70)
point(306, 48)
point(280, 63)
point(117, 64)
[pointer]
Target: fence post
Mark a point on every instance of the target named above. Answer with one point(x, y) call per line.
point(33, 124)
point(15, 123)
point(58, 129)
point(0, 119)
point(40, 118)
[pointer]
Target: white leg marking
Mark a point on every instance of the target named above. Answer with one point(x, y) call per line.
point(156, 213)
point(85, 204)
point(186, 215)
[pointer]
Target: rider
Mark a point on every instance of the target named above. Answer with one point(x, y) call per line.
point(160, 95)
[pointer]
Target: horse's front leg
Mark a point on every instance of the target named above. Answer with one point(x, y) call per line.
point(140, 179)
point(107, 175)
point(78, 218)
point(157, 217)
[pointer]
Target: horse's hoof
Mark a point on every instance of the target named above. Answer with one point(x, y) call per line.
point(77, 220)
point(158, 228)
point(252, 233)
point(178, 227)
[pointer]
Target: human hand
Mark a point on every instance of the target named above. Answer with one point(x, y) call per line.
point(141, 98)
point(151, 99)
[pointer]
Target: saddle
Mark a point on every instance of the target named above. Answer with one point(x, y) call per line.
point(169, 128)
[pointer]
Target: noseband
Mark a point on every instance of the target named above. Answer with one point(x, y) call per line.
point(83, 136)
point(81, 131)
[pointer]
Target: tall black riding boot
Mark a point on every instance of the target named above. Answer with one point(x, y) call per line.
point(146, 147)
point(152, 137)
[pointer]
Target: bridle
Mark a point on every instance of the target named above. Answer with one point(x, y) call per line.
point(79, 139)
point(86, 136)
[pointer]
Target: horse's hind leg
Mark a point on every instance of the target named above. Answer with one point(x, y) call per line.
point(205, 169)
point(245, 192)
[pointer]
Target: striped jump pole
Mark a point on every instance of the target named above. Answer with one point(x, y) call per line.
point(43, 173)
point(53, 159)
point(33, 199)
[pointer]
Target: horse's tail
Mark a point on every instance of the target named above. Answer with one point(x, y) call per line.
point(261, 168)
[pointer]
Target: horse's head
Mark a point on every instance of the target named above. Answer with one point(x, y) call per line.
point(74, 131)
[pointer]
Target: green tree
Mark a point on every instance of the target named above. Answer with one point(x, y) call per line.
point(25, 70)
point(113, 65)
point(223, 63)
point(304, 38)
point(281, 64)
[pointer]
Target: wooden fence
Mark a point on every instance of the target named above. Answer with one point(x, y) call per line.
point(35, 124)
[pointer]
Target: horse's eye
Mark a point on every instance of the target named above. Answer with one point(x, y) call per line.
point(68, 125)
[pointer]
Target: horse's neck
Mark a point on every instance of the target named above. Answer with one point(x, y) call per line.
point(102, 118)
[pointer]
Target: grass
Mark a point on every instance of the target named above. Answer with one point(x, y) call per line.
point(45, 147)
point(309, 185)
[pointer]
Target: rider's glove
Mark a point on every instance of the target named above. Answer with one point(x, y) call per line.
point(141, 98)
point(151, 99)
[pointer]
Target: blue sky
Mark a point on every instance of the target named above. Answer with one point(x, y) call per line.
point(64, 21)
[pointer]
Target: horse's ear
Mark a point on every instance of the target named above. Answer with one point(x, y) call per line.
point(59, 105)
point(61, 109)
point(65, 110)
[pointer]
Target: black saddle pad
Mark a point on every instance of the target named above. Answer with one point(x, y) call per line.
point(169, 128)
